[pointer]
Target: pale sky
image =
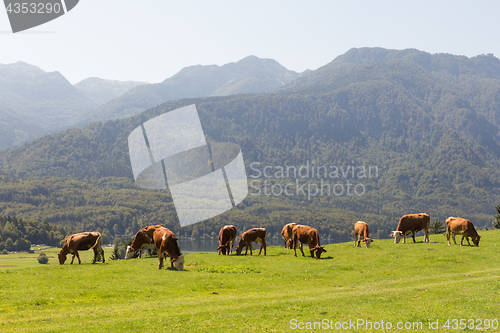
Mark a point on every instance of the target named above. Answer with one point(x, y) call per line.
point(151, 40)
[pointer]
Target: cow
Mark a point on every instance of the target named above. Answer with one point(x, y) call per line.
point(457, 225)
point(144, 237)
point(287, 235)
point(256, 235)
point(361, 230)
point(307, 235)
point(81, 242)
point(227, 236)
point(412, 223)
point(166, 243)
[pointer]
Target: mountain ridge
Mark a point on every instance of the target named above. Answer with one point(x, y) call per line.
point(102, 91)
point(434, 141)
point(247, 76)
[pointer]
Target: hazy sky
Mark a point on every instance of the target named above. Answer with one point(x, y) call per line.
point(151, 40)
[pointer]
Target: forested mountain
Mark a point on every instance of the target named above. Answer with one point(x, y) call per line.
point(102, 91)
point(247, 76)
point(427, 124)
point(34, 102)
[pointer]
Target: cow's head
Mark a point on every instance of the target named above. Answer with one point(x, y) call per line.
point(318, 249)
point(223, 248)
point(240, 246)
point(397, 236)
point(129, 253)
point(367, 242)
point(476, 240)
point(62, 257)
point(179, 262)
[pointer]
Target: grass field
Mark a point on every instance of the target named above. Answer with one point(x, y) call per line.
point(403, 285)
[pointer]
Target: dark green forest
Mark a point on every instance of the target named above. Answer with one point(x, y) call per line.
point(428, 123)
point(17, 234)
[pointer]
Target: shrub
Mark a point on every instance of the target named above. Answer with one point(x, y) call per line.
point(42, 258)
point(115, 255)
point(496, 222)
point(437, 227)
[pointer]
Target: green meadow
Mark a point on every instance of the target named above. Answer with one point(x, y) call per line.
point(421, 287)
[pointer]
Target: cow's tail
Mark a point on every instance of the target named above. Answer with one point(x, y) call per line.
point(97, 242)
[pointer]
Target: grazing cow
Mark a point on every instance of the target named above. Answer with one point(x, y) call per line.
point(412, 223)
point(256, 235)
point(166, 243)
point(361, 230)
point(81, 242)
point(287, 234)
point(227, 236)
point(457, 225)
point(309, 236)
point(144, 237)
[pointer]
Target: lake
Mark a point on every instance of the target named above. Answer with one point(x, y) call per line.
point(210, 245)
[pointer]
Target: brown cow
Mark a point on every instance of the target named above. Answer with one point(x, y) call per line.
point(81, 242)
point(166, 243)
point(457, 225)
point(256, 235)
point(309, 236)
point(412, 223)
point(227, 236)
point(287, 235)
point(361, 230)
point(144, 237)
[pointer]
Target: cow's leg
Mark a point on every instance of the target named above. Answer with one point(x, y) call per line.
point(265, 247)
point(301, 250)
point(448, 237)
point(426, 235)
point(78, 256)
point(294, 242)
point(355, 240)
point(461, 241)
point(262, 245)
point(160, 260)
point(102, 255)
point(246, 250)
point(72, 258)
point(95, 255)
point(149, 250)
point(454, 241)
point(467, 240)
point(413, 235)
point(251, 249)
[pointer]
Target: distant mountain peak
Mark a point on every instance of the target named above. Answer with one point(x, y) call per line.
point(247, 76)
point(102, 91)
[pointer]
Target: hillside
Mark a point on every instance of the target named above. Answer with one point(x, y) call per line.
point(247, 76)
point(434, 143)
point(102, 91)
point(34, 102)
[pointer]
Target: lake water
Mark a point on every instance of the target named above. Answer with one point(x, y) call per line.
point(210, 245)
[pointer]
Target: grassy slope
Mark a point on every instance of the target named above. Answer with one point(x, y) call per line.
point(404, 282)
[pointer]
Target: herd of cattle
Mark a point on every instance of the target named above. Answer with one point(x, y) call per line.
point(293, 234)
